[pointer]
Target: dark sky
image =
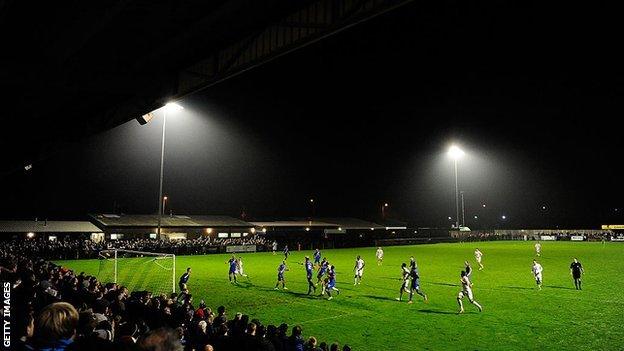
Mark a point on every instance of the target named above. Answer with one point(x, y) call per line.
point(532, 94)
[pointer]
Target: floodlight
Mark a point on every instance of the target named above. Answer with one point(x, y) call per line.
point(172, 106)
point(455, 152)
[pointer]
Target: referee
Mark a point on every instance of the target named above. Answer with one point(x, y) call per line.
point(576, 270)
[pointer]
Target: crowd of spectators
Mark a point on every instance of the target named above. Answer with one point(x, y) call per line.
point(478, 235)
point(198, 246)
point(84, 248)
point(53, 308)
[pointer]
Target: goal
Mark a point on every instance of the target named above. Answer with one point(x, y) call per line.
point(138, 270)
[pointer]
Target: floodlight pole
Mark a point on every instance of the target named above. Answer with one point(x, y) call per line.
point(463, 209)
point(162, 162)
point(456, 195)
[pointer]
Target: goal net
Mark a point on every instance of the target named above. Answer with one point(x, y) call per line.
point(137, 270)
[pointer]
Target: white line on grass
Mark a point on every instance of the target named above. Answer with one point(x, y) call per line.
point(326, 318)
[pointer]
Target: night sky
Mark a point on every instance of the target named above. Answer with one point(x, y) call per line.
point(533, 96)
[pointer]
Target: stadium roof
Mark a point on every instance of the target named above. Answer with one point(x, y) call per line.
point(113, 220)
point(352, 223)
point(48, 227)
point(298, 223)
point(393, 224)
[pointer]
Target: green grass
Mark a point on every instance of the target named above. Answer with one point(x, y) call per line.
point(516, 316)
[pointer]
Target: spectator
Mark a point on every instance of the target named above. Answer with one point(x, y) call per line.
point(296, 341)
point(55, 327)
point(162, 339)
point(310, 345)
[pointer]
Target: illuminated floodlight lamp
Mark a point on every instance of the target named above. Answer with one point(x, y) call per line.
point(455, 152)
point(172, 106)
point(30, 235)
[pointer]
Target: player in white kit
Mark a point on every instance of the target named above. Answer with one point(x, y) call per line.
point(537, 272)
point(405, 281)
point(466, 292)
point(478, 256)
point(239, 268)
point(538, 249)
point(359, 270)
point(379, 254)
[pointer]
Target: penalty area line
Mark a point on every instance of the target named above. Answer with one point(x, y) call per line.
point(327, 318)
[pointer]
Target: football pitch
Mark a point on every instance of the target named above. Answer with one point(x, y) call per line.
point(516, 316)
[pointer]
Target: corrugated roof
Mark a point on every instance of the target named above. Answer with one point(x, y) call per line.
point(352, 223)
point(48, 227)
point(105, 220)
point(294, 224)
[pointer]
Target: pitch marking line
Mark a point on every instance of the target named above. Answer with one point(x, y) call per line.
point(326, 318)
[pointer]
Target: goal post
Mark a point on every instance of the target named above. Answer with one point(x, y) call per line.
point(138, 270)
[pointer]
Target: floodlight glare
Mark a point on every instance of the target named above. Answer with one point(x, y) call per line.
point(172, 106)
point(455, 152)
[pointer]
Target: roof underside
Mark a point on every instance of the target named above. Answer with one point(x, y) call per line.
point(71, 65)
point(47, 227)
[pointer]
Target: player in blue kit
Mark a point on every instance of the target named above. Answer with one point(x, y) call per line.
point(286, 252)
point(322, 270)
point(232, 262)
point(415, 285)
point(184, 279)
point(317, 257)
point(280, 275)
point(309, 271)
point(331, 283)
